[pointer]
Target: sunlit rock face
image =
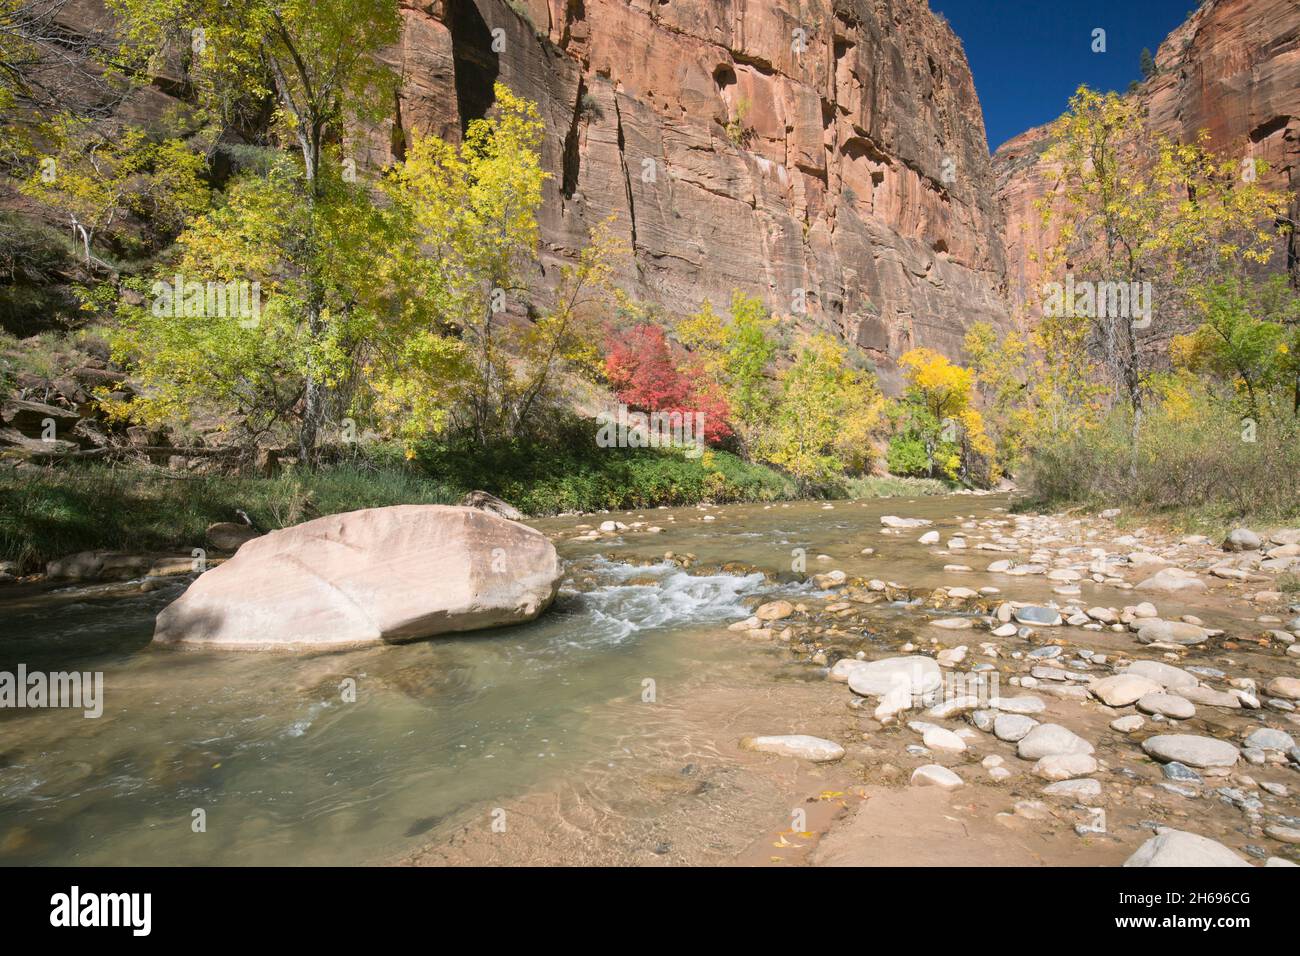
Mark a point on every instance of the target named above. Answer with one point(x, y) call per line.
point(828, 157)
point(831, 160)
point(1232, 69)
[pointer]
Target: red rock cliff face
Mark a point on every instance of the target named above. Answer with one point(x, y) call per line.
point(1233, 68)
point(855, 169)
point(826, 155)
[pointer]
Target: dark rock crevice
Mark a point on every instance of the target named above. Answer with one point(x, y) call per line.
point(627, 176)
point(476, 63)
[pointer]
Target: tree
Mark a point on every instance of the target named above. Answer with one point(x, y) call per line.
point(736, 352)
point(825, 415)
point(937, 411)
point(1001, 364)
point(47, 71)
point(1247, 338)
point(316, 63)
point(470, 217)
point(647, 376)
point(97, 177)
point(1137, 210)
point(224, 326)
point(1148, 64)
point(394, 311)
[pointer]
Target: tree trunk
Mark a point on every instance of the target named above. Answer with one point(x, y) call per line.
point(314, 397)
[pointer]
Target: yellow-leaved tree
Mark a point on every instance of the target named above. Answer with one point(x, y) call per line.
point(318, 64)
point(1141, 219)
point(735, 351)
point(826, 412)
point(97, 176)
point(398, 311)
point(938, 431)
point(469, 218)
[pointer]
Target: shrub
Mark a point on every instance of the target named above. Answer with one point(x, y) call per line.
point(1204, 460)
point(569, 472)
point(907, 456)
point(647, 376)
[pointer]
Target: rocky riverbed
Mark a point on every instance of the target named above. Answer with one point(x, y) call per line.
point(1012, 689)
point(911, 682)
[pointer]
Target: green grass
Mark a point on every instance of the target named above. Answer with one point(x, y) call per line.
point(571, 473)
point(895, 486)
point(52, 512)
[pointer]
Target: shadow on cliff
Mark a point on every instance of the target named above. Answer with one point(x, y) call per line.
point(476, 63)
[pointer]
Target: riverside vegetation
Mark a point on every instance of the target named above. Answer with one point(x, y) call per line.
point(247, 322)
point(396, 344)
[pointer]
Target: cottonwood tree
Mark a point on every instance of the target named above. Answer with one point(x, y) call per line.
point(938, 412)
point(315, 63)
point(469, 212)
point(1134, 206)
point(1249, 336)
point(404, 274)
point(250, 366)
point(825, 414)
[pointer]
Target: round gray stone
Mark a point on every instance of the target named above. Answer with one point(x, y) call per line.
point(1193, 750)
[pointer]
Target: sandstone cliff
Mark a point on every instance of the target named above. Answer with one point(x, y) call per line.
point(826, 155)
point(767, 145)
point(1233, 69)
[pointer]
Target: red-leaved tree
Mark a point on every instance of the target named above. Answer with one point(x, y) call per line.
point(649, 374)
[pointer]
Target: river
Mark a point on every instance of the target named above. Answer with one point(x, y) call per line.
point(363, 756)
point(609, 730)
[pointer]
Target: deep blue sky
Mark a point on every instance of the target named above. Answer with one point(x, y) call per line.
point(1028, 56)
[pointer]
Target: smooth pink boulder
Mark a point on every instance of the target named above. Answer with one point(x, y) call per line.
point(365, 577)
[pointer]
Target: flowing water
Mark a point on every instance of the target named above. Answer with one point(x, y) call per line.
point(594, 719)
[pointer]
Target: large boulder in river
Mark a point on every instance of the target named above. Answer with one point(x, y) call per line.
point(379, 575)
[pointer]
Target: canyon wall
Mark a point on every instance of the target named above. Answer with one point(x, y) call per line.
point(768, 145)
point(828, 156)
point(1232, 69)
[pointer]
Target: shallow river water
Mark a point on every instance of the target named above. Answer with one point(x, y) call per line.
point(605, 732)
point(621, 678)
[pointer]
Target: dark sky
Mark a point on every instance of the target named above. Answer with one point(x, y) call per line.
point(1028, 56)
